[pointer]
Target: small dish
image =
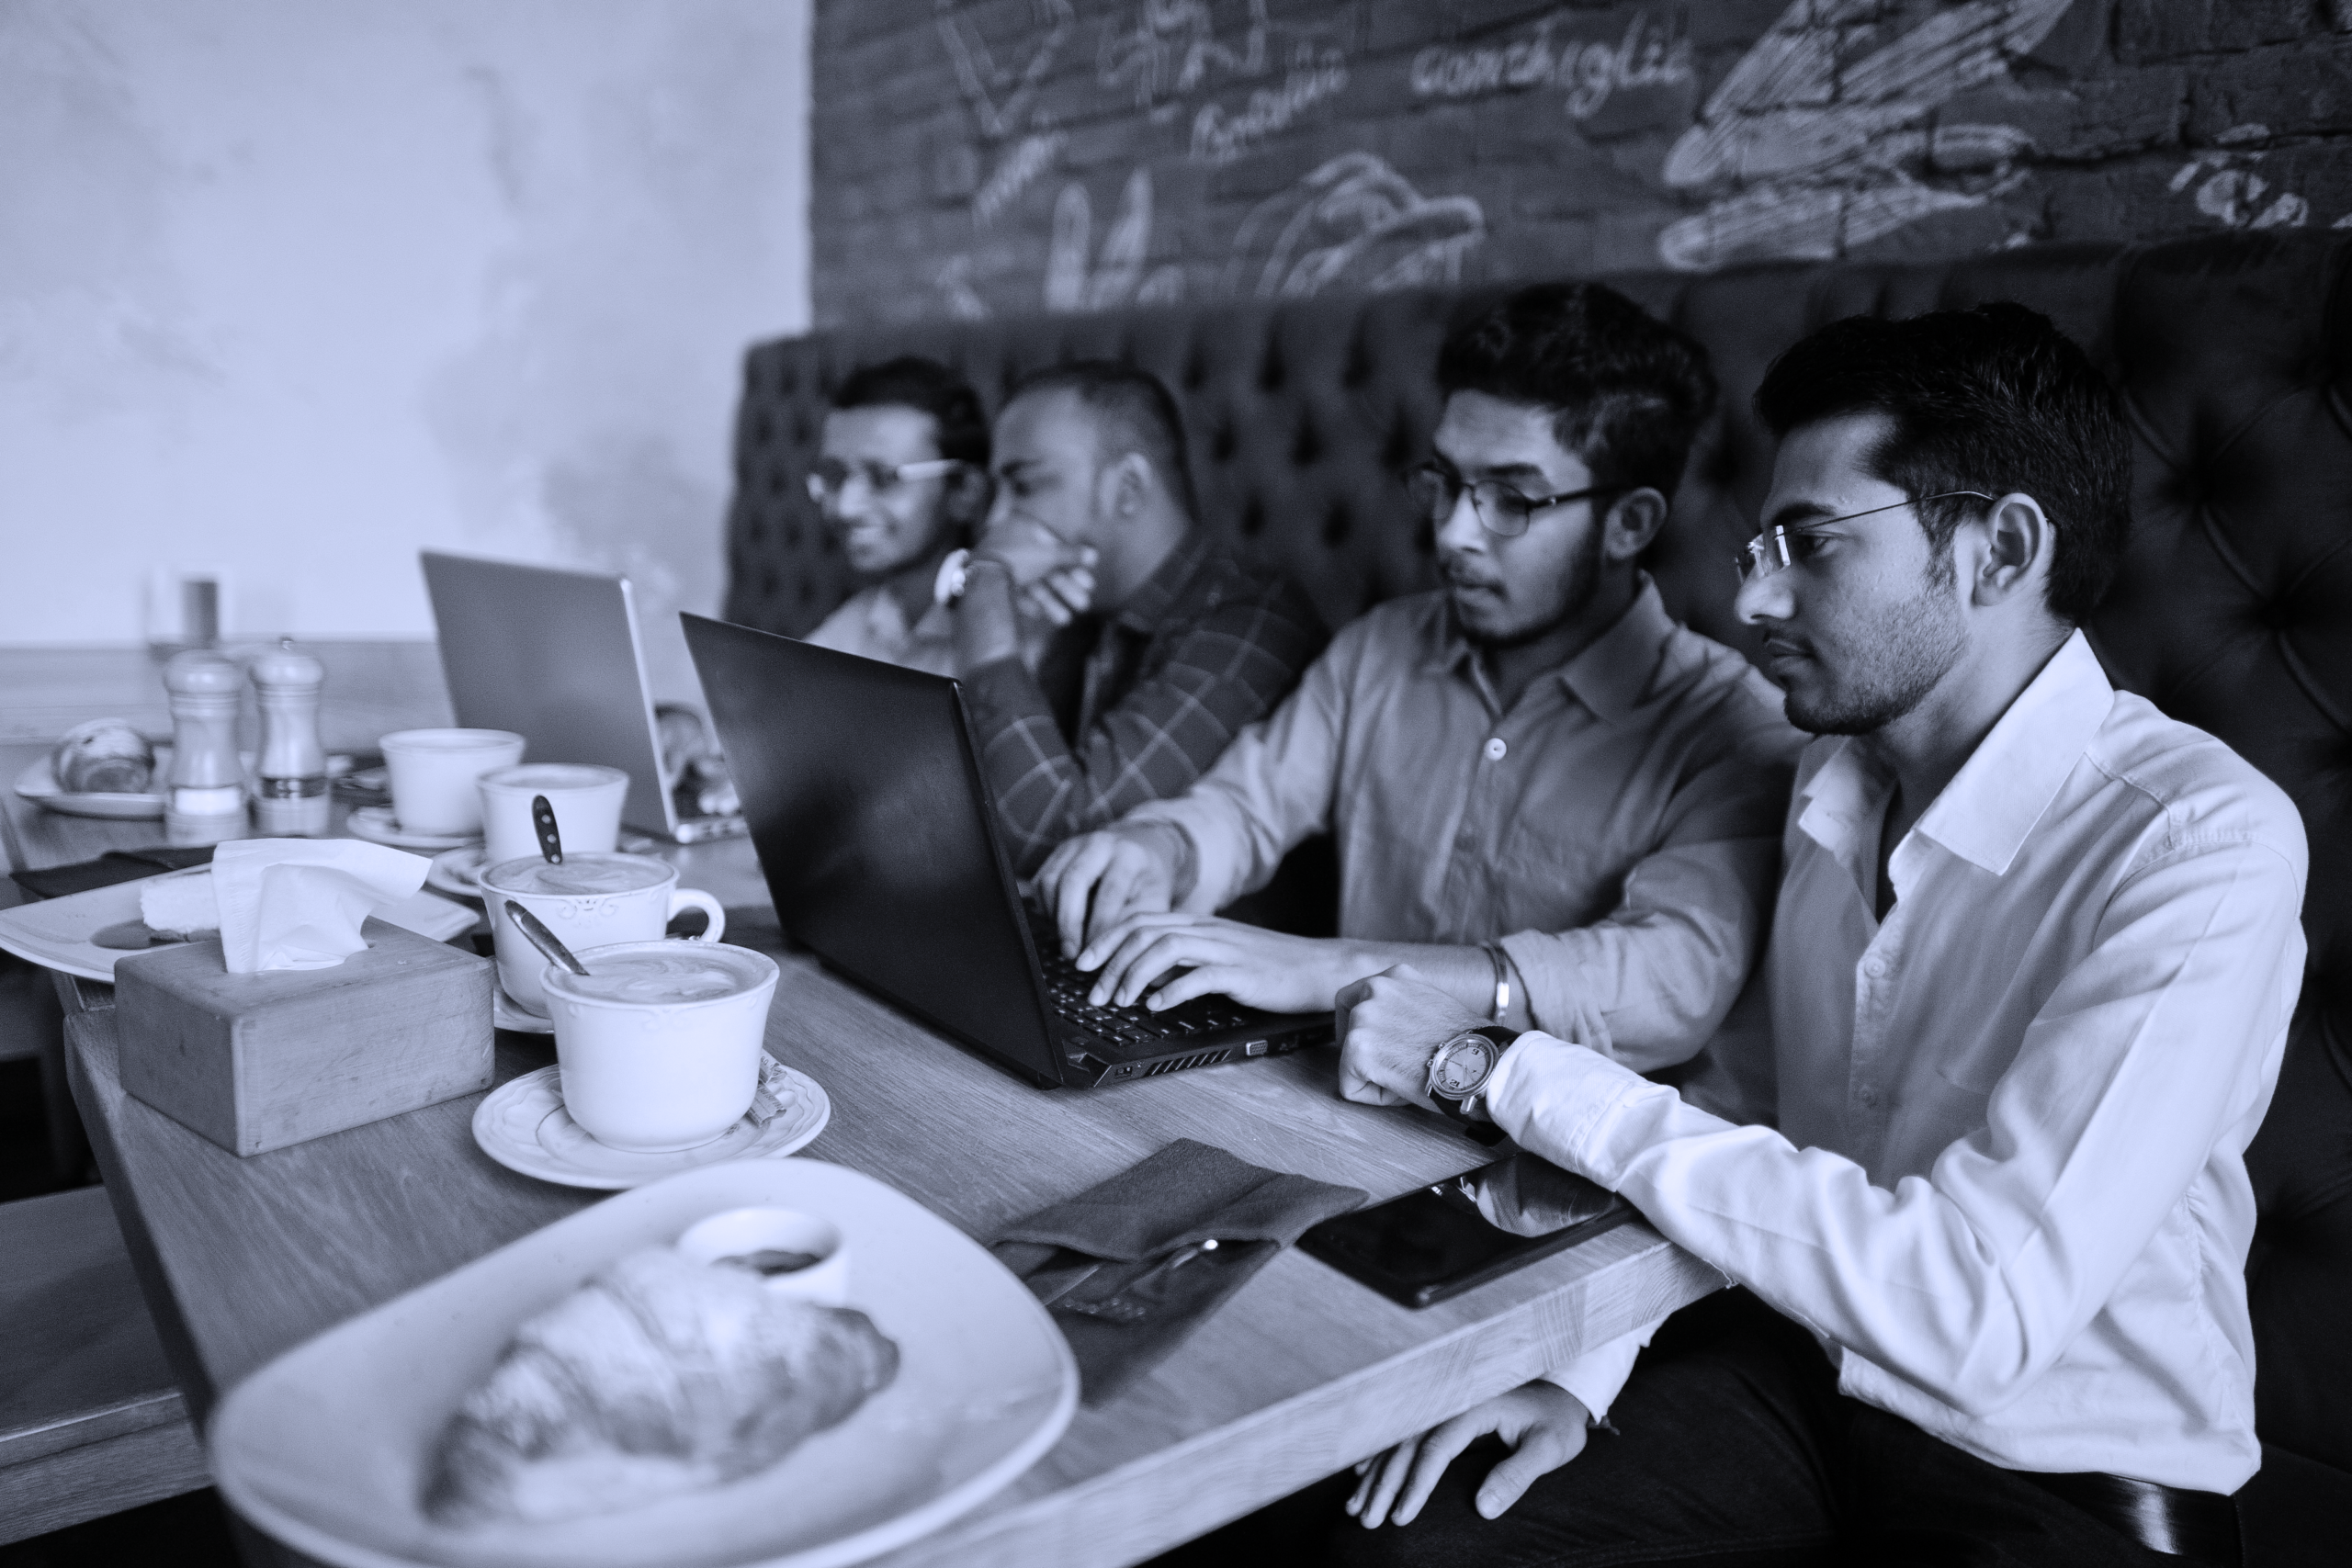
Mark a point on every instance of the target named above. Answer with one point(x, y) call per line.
point(378, 826)
point(797, 1255)
point(454, 870)
point(56, 933)
point(507, 1013)
point(524, 1126)
point(37, 782)
point(326, 1447)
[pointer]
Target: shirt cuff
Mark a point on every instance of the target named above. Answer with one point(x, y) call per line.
point(1598, 1376)
point(1561, 1100)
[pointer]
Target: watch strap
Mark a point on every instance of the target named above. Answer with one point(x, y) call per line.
point(1460, 1109)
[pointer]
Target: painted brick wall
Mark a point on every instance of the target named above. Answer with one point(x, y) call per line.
point(990, 157)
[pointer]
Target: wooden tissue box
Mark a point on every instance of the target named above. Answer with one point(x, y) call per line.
point(256, 1061)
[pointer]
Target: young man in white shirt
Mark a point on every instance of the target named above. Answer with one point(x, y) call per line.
point(2031, 968)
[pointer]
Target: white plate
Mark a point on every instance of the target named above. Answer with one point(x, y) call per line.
point(524, 1126)
point(506, 1014)
point(378, 826)
point(55, 933)
point(327, 1448)
point(453, 870)
point(39, 782)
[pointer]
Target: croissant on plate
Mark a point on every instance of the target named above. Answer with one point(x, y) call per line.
point(104, 756)
point(661, 1375)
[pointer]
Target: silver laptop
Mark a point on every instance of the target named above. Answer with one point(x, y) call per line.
point(554, 657)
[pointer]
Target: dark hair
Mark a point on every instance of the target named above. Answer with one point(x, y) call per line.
point(1627, 392)
point(1994, 399)
point(927, 387)
point(1133, 412)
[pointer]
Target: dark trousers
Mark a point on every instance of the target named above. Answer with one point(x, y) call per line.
point(1733, 1446)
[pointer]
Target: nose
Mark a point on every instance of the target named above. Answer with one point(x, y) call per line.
point(1000, 506)
point(1461, 531)
point(1764, 596)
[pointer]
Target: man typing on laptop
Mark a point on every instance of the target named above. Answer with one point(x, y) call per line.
point(1553, 800)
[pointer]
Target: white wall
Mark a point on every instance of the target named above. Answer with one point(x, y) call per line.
point(294, 287)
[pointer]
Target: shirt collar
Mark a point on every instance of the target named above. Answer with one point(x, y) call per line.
point(1611, 676)
point(1158, 594)
point(1984, 814)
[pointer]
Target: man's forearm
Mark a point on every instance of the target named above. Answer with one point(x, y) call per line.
point(988, 628)
point(1466, 973)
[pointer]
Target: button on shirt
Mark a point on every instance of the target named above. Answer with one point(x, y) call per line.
point(1615, 827)
point(2006, 1189)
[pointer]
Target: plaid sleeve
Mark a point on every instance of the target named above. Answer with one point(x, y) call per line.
point(1222, 670)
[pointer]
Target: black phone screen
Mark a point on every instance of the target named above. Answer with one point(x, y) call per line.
point(1435, 1243)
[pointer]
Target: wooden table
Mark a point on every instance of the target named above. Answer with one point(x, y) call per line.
point(1300, 1374)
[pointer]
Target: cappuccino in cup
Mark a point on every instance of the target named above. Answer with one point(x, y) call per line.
point(432, 771)
point(659, 1044)
point(590, 901)
point(587, 800)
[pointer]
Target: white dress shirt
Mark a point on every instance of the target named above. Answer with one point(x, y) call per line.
point(2006, 1189)
point(871, 625)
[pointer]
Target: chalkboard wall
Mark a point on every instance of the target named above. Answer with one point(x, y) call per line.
point(990, 157)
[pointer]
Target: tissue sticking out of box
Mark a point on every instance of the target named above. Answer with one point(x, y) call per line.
point(284, 903)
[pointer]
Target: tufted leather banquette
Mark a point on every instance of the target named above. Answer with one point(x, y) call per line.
point(2233, 611)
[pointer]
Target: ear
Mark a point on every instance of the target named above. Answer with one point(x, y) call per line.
point(966, 497)
point(1121, 487)
point(2013, 549)
point(1633, 520)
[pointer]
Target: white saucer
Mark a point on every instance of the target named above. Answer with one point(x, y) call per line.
point(507, 1014)
point(453, 871)
point(378, 825)
point(523, 1126)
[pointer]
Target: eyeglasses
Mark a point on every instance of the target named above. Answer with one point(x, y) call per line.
point(1501, 510)
point(831, 476)
point(1789, 545)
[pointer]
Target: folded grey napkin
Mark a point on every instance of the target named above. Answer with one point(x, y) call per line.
point(1133, 1265)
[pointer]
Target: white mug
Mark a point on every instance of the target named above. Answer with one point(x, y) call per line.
point(590, 901)
point(432, 773)
point(658, 1046)
point(587, 800)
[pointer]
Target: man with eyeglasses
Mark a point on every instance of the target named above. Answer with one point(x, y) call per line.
point(1551, 799)
point(1171, 644)
point(2030, 973)
point(900, 478)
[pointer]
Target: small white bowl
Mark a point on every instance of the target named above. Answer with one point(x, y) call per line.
point(743, 1232)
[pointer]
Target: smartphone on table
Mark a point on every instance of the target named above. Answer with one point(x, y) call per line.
point(1439, 1241)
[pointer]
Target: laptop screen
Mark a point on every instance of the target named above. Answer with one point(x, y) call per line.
point(551, 655)
point(873, 828)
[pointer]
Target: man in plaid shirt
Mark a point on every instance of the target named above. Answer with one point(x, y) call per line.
point(1175, 648)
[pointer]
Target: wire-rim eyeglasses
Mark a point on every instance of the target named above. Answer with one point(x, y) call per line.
point(1503, 510)
point(1768, 551)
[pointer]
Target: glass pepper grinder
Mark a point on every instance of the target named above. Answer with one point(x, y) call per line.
point(291, 800)
point(204, 800)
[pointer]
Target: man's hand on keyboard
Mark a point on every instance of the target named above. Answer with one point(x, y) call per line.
point(1095, 880)
point(1209, 956)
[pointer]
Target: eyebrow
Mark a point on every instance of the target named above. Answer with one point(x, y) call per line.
point(1499, 470)
point(1011, 466)
point(1796, 513)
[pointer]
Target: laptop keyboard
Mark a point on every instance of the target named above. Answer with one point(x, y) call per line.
point(1067, 986)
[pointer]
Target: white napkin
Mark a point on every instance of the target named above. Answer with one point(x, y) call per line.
point(298, 903)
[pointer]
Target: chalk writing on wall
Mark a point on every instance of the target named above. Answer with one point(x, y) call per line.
point(1314, 74)
point(1114, 276)
point(1000, 94)
point(1353, 223)
point(1171, 47)
point(1807, 153)
point(1652, 52)
point(1015, 173)
point(2232, 193)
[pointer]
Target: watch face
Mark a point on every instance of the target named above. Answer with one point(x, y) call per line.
point(1462, 1064)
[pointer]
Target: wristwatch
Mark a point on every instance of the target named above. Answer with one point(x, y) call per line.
point(1461, 1066)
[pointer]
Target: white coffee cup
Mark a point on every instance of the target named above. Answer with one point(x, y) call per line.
point(432, 774)
point(658, 1046)
point(590, 901)
point(587, 800)
point(741, 1235)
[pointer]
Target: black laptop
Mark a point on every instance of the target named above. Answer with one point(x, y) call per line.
point(877, 831)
